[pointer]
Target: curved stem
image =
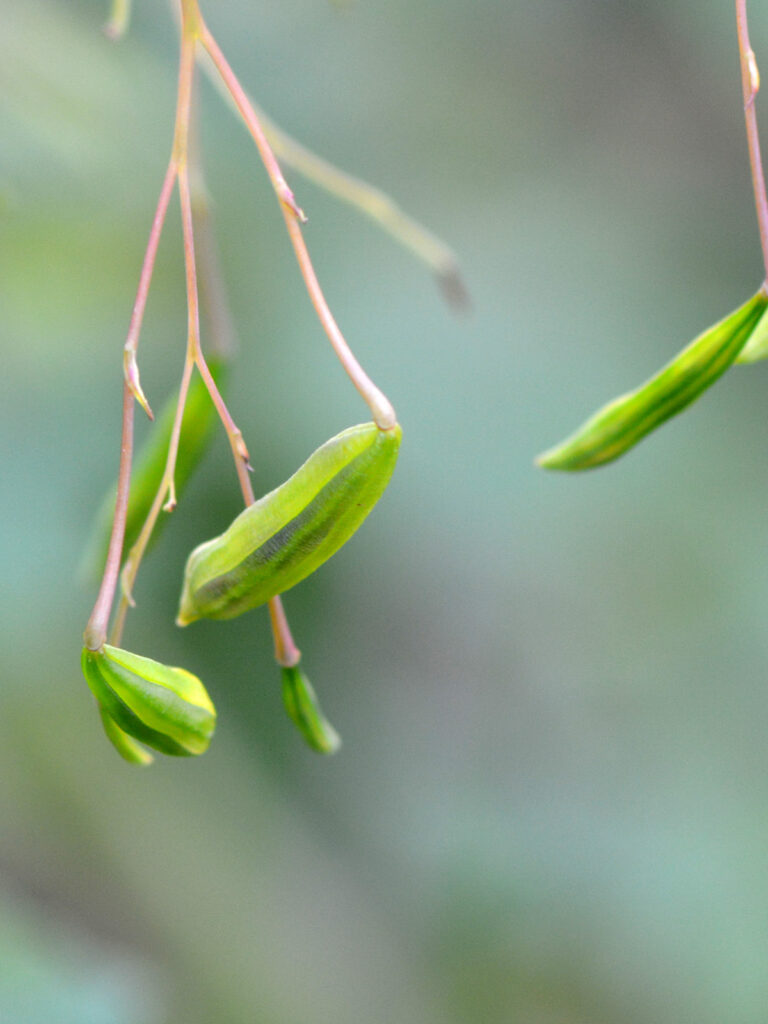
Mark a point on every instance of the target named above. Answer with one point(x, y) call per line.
point(750, 79)
point(96, 628)
point(372, 202)
point(380, 406)
point(286, 651)
point(280, 185)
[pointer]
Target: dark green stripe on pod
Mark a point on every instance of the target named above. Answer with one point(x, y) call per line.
point(165, 708)
point(303, 707)
point(197, 421)
point(618, 426)
point(287, 534)
point(127, 747)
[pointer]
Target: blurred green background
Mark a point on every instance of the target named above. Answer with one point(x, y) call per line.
point(552, 802)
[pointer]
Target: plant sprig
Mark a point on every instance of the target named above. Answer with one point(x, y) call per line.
point(620, 424)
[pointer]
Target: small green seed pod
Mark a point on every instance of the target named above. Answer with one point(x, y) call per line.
point(166, 708)
point(197, 421)
point(618, 426)
point(304, 710)
point(287, 534)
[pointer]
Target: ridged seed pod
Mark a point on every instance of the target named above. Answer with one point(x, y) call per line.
point(618, 426)
point(166, 708)
point(287, 534)
point(303, 707)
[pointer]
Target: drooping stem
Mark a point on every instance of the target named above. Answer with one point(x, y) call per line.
point(280, 185)
point(750, 78)
point(286, 651)
point(375, 204)
point(96, 628)
point(380, 406)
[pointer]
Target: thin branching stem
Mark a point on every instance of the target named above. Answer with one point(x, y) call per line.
point(750, 78)
point(192, 198)
point(96, 628)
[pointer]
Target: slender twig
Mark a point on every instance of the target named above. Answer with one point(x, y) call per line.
point(380, 406)
point(96, 628)
point(280, 185)
point(750, 77)
point(193, 201)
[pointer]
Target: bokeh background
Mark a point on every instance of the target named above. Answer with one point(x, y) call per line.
point(551, 806)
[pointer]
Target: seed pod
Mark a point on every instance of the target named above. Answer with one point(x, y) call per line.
point(618, 426)
point(196, 423)
point(757, 346)
point(166, 708)
point(125, 745)
point(287, 534)
point(302, 706)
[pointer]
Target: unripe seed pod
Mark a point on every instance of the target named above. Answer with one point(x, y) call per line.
point(302, 705)
point(618, 426)
point(166, 708)
point(287, 534)
point(196, 423)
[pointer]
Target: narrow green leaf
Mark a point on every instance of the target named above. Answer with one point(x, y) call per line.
point(618, 426)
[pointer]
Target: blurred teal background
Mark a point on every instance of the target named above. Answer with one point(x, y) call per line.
point(551, 806)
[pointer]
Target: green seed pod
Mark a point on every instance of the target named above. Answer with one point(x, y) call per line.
point(618, 426)
point(125, 745)
point(287, 534)
point(302, 706)
point(757, 346)
point(197, 421)
point(166, 708)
